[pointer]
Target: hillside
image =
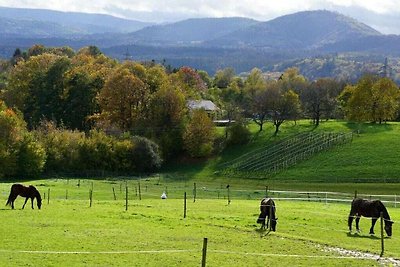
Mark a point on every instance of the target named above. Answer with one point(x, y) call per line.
point(302, 30)
point(82, 23)
point(372, 156)
point(191, 31)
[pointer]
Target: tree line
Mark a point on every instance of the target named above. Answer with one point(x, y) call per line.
point(64, 110)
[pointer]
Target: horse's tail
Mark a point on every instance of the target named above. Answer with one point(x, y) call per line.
point(10, 198)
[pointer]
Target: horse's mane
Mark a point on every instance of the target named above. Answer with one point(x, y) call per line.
point(384, 210)
point(36, 193)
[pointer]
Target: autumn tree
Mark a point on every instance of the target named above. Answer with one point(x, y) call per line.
point(199, 134)
point(167, 116)
point(20, 154)
point(371, 99)
point(124, 99)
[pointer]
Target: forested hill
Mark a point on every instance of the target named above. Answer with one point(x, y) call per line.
point(191, 31)
point(302, 30)
point(79, 23)
point(206, 43)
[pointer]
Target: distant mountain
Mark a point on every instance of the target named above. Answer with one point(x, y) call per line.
point(190, 31)
point(313, 40)
point(302, 30)
point(378, 44)
point(81, 23)
point(11, 28)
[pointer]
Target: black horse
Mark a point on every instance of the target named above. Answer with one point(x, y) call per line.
point(372, 209)
point(24, 191)
point(268, 209)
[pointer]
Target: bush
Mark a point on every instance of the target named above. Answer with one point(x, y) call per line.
point(146, 155)
point(31, 157)
point(238, 134)
point(62, 148)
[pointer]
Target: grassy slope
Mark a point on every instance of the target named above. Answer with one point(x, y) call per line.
point(373, 156)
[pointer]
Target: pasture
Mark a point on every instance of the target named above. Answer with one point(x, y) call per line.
point(153, 232)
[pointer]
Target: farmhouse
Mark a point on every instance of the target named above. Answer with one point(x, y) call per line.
point(207, 105)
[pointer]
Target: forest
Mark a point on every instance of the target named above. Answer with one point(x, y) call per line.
point(67, 111)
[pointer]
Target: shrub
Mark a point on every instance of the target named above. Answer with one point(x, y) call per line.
point(238, 134)
point(146, 154)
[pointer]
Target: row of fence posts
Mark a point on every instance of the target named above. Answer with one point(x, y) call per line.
point(194, 200)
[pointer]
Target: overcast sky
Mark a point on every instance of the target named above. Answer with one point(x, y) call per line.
point(383, 15)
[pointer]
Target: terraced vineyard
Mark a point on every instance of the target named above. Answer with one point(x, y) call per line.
point(272, 159)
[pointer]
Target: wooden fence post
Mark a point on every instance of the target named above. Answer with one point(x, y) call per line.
point(115, 197)
point(382, 243)
point(90, 197)
point(266, 191)
point(126, 197)
point(184, 205)
point(194, 192)
point(355, 194)
point(66, 193)
point(229, 194)
point(48, 195)
point(140, 194)
point(204, 257)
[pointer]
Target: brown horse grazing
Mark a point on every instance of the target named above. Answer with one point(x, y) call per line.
point(372, 209)
point(24, 191)
point(268, 209)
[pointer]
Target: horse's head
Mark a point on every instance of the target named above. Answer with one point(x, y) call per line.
point(261, 218)
point(38, 200)
point(388, 227)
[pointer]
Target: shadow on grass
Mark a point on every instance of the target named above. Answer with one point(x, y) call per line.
point(369, 127)
point(357, 235)
point(263, 232)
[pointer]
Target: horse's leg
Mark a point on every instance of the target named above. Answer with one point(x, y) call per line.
point(26, 200)
point(371, 231)
point(350, 221)
point(32, 202)
point(12, 203)
point(357, 223)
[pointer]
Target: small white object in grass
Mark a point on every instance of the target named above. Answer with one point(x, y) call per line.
point(163, 195)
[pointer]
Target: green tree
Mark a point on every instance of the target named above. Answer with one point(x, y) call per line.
point(319, 98)
point(223, 78)
point(35, 87)
point(371, 99)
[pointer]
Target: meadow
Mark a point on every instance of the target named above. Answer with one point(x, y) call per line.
point(153, 232)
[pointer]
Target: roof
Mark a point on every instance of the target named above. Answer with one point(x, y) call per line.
point(207, 105)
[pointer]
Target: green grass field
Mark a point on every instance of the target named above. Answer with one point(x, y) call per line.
point(67, 232)
point(153, 232)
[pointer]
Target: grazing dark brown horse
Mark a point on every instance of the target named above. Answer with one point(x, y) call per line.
point(372, 209)
point(268, 209)
point(24, 191)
